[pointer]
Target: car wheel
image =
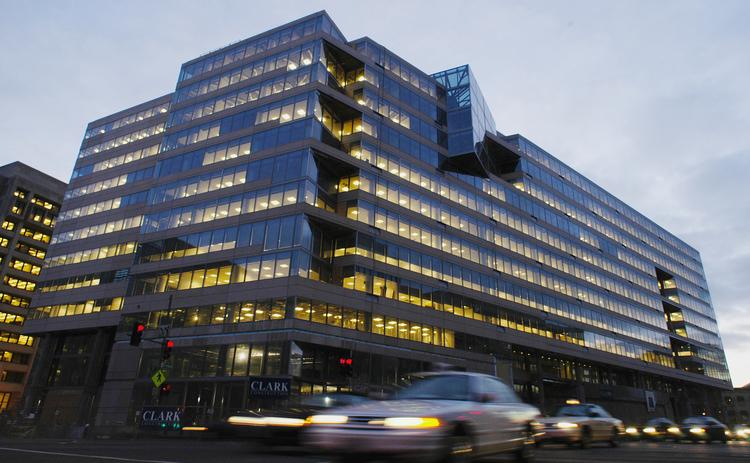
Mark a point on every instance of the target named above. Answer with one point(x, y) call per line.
point(613, 438)
point(459, 447)
point(585, 441)
point(525, 454)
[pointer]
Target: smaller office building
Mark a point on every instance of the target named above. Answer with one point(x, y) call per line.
point(29, 203)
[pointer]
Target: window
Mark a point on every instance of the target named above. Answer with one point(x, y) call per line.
point(4, 400)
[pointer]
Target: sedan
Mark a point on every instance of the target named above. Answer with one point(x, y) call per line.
point(447, 416)
point(283, 426)
point(705, 429)
point(661, 429)
point(581, 424)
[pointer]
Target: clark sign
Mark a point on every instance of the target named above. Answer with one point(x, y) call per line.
point(161, 417)
point(261, 386)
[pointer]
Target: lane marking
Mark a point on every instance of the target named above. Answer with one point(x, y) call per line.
point(81, 455)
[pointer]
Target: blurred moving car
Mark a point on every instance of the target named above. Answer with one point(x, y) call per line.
point(705, 429)
point(447, 416)
point(283, 426)
point(660, 429)
point(741, 432)
point(581, 424)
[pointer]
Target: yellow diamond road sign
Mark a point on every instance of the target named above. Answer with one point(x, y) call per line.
point(159, 378)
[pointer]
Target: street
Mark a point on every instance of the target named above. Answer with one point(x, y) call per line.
point(200, 451)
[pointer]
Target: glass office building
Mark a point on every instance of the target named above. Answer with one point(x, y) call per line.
point(29, 204)
point(301, 200)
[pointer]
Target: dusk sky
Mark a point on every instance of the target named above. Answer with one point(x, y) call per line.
point(649, 99)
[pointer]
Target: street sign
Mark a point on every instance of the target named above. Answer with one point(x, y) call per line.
point(159, 378)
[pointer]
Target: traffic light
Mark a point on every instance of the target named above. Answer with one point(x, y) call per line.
point(346, 364)
point(137, 333)
point(165, 389)
point(166, 350)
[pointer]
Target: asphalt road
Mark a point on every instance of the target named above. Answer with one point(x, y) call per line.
point(204, 451)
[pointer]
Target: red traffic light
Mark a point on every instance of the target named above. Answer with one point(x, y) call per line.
point(137, 333)
point(170, 344)
point(140, 327)
point(165, 389)
point(345, 361)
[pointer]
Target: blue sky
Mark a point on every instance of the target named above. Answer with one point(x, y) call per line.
point(649, 99)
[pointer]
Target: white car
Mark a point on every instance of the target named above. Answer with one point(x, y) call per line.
point(581, 424)
point(447, 416)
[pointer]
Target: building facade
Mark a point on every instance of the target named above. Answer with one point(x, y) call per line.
point(29, 203)
point(317, 209)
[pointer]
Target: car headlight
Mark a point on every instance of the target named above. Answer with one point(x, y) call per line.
point(631, 430)
point(649, 430)
point(327, 419)
point(673, 430)
point(728, 433)
point(265, 421)
point(409, 422)
point(245, 421)
point(697, 430)
point(742, 433)
point(566, 425)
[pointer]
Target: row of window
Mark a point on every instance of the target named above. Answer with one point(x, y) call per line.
point(283, 111)
point(591, 221)
point(203, 157)
point(106, 205)
point(398, 116)
point(98, 229)
point(11, 318)
point(77, 308)
point(8, 356)
point(277, 169)
point(217, 314)
point(488, 257)
point(476, 227)
point(19, 283)
point(248, 94)
point(265, 267)
point(289, 60)
point(86, 255)
point(15, 301)
point(43, 216)
point(32, 251)
point(260, 45)
point(106, 184)
point(116, 161)
point(77, 281)
point(16, 338)
point(365, 280)
point(43, 203)
point(403, 94)
point(403, 142)
point(127, 120)
point(26, 267)
point(272, 234)
point(399, 67)
point(238, 360)
point(34, 234)
point(231, 206)
point(548, 161)
point(406, 198)
point(12, 376)
point(433, 267)
point(122, 140)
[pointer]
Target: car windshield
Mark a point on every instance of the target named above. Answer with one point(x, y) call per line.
point(658, 422)
point(572, 410)
point(444, 387)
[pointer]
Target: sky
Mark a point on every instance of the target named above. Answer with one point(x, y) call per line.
point(649, 99)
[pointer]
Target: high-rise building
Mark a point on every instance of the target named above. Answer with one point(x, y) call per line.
point(317, 210)
point(29, 203)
